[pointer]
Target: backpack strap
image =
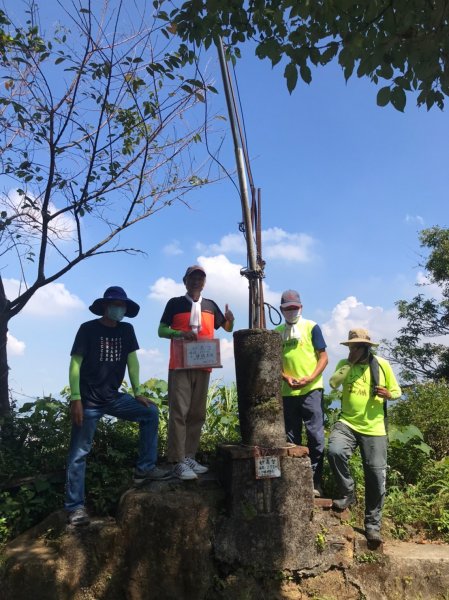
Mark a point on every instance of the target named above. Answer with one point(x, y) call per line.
point(375, 367)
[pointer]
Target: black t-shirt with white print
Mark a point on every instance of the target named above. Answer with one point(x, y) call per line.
point(105, 353)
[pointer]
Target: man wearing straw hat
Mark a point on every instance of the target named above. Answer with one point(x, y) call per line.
point(368, 382)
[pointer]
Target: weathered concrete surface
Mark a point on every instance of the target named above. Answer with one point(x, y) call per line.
point(53, 562)
point(402, 571)
point(163, 547)
point(258, 368)
point(278, 509)
point(169, 530)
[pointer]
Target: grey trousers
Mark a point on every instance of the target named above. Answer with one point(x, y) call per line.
point(343, 441)
point(187, 397)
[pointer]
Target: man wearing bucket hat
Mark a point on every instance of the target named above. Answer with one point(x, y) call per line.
point(304, 359)
point(189, 317)
point(368, 382)
point(102, 350)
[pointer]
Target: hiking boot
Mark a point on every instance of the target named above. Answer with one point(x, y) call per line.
point(195, 466)
point(373, 538)
point(345, 502)
point(182, 471)
point(154, 474)
point(78, 517)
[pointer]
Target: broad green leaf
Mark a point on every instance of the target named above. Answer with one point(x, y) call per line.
point(291, 75)
point(383, 96)
point(306, 73)
point(398, 98)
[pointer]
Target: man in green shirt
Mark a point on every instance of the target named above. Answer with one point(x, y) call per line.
point(304, 359)
point(368, 382)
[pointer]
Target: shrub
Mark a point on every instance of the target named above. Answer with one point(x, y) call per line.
point(423, 506)
point(408, 454)
point(426, 405)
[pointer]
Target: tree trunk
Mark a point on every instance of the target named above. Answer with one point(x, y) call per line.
point(4, 369)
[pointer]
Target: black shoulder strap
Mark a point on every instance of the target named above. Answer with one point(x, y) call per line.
point(375, 368)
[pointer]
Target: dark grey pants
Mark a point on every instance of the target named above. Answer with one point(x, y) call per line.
point(307, 409)
point(343, 441)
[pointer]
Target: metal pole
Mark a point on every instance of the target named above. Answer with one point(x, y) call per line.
point(239, 156)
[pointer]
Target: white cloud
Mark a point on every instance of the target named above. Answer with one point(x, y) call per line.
point(430, 290)
point(165, 288)
point(233, 243)
point(14, 346)
point(30, 219)
point(153, 363)
point(172, 249)
point(277, 245)
point(294, 247)
point(350, 313)
point(414, 219)
point(227, 373)
point(52, 300)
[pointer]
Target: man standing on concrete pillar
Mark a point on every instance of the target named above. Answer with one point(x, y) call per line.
point(304, 360)
point(189, 317)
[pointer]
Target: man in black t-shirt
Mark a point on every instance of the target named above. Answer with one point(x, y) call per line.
point(102, 350)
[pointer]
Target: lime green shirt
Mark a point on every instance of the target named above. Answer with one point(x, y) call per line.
point(360, 408)
point(299, 357)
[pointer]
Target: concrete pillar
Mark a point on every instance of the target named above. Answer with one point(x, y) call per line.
point(258, 367)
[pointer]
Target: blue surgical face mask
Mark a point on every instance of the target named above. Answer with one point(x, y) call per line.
point(115, 313)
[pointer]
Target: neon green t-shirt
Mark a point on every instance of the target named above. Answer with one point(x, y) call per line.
point(299, 357)
point(360, 408)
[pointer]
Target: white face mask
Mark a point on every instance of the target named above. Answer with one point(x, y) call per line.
point(115, 313)
point(292, 315)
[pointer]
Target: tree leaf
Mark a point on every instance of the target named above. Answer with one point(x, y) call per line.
point(291, 75)
point(383, 96)
point(306, 73)
point(398, 98)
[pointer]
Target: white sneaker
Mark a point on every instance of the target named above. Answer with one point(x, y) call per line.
point(195, 466)
point(182, 471)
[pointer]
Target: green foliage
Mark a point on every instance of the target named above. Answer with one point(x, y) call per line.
point(427, 406)
point(423, 506)
point(222, 420)
point(418, 357)
point(404, 42)
point(321, 539)
point(408, 454)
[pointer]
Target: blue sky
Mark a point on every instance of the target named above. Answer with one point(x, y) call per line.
point(346, 187)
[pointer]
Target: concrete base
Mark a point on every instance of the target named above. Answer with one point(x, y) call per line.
point(269, 522)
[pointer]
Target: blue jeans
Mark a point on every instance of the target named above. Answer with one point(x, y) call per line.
point(125, 407)
point(307, 409)
point(342, 443)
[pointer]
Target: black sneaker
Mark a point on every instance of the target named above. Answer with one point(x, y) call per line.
point(373, 538)
point(154, 474)
point(345, 502)
point(78, 517)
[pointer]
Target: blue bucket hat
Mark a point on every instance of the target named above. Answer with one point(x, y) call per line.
point(114, 293)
